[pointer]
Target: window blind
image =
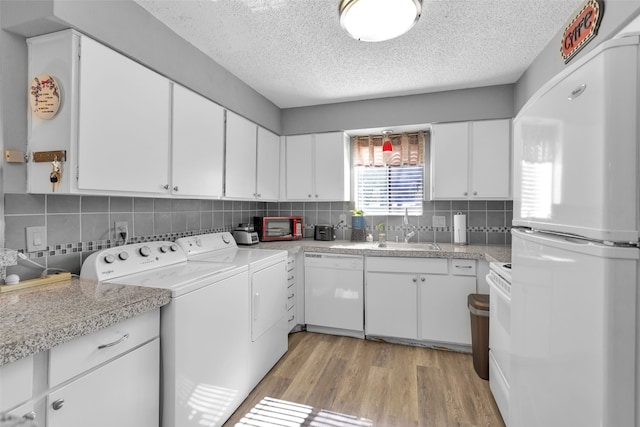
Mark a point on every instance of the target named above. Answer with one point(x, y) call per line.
point(388, 190)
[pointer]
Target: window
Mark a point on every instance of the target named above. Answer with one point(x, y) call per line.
point(382, 189)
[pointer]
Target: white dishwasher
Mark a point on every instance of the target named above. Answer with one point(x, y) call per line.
point(334, 293)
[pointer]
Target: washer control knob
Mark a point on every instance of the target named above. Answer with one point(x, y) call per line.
point(173, 247)
point(164, 249)
point(123, 256)
point(109, 259)
point(225, 239)
point(198, 241)
point(145, 251)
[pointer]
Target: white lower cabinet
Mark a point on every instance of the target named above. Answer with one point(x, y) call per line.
point(108, 378)
point(419, 299)
point(121, 393)
point(391, 306)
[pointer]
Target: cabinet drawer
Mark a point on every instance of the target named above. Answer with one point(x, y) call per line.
point(291, 262)
point(291, 317)
point(291, 297)
point(16, 382)
point(463, 267)
point(84, 353)
point(408, 265)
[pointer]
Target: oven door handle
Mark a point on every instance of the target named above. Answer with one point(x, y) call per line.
point(497, 289)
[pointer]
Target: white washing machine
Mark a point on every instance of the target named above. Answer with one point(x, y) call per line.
point(204, 334)
point(267, 286)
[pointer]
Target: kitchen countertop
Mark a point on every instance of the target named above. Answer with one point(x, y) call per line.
point(500, 253)
point(37, 319)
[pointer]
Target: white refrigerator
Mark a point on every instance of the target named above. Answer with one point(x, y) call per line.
point(574, 296)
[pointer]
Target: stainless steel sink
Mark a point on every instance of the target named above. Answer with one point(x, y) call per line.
point(391, 246)
point(412, 246)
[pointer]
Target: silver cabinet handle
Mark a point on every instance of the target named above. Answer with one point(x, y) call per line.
point(464, 266)
point(414, 280)
point(166, 186)
point(309, 195)
point(475, 193)
point(111, 344)
point(259, 195)
point(291, 296)
point(291, 277)
point(58, 404)
point(422, 279)
point(29, 416)
point(291, 318)
point(175, 188)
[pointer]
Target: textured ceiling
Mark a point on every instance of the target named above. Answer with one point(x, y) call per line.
point(295, 54)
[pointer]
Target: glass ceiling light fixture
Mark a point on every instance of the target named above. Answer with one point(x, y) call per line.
point(378, 20)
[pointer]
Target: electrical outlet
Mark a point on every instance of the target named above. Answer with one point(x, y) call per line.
point(36, 239)
point(121, 227)
point(439, 221)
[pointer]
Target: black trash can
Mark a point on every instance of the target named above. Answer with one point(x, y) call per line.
point(479, 311)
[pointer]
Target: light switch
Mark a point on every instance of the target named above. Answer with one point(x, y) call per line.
point(36, 239)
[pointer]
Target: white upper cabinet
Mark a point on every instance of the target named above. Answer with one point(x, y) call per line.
point(491, 159)
point(450, 160)
point(268, 166)
point(318, 167)
point(252, 161)
point(197, 145)
point(123, 128)
point(113, 122)
point(471, 160)
point(240, 157)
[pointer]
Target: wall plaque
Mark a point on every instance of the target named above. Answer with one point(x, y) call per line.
point(44, 96)
point(582, 28)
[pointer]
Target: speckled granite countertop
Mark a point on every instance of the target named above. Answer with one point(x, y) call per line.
point(501, 253)
point(37, 319)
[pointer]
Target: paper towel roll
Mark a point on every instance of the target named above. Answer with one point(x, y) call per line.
point(460, 229)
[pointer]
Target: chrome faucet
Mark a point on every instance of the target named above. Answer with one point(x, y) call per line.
point(405, 227)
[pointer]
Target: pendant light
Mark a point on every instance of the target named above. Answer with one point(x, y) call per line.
point(378, 20)
point(387, 147)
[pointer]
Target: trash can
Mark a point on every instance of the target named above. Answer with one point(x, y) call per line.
point(479, 311)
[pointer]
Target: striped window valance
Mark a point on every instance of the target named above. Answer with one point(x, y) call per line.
point(408, 150)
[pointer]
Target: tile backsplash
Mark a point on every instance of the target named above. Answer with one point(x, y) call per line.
point(79, 225)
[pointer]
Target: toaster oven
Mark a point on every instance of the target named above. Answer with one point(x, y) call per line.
point(274, 228)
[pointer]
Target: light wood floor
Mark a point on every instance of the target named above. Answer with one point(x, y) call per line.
point(326, 380)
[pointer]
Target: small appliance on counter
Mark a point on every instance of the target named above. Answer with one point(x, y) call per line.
point(275, 228)
point(324, 232)
point(244, 234)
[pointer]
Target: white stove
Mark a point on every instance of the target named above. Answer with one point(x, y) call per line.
point(499, 280)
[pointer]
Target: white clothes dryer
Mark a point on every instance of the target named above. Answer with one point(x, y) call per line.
point(267, 287)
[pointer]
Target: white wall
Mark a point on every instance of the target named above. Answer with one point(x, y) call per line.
point(493, 102)
point(617, 14)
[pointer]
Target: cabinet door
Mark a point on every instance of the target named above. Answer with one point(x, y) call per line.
point(391, 306)
point(443, 308)
point(197, 145)
point(240, 160)
point(331, 164)
point(123, 123)
point(122, 393)
point(299, 180)
point(491, 159)
point(268, 166)
point(449, 161)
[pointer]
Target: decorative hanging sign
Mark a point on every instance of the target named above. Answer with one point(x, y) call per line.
point(582, 28)
point(44, 96)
